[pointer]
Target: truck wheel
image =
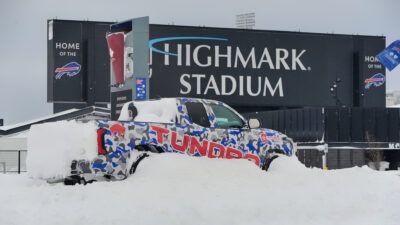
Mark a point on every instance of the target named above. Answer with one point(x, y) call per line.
point(135, 164)
point(268, 162)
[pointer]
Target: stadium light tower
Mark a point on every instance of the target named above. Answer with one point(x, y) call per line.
point(246, 21)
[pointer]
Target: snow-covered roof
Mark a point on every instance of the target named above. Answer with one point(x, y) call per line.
point(9, 127)
point(13, 143)
point(393, 106)
point(91, 111)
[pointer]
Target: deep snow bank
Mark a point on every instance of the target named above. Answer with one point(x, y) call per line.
point(178, 189)
point(53, 146)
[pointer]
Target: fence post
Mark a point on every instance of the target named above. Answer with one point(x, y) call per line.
point(324, 163)
point(19, 161)
point(4, 167)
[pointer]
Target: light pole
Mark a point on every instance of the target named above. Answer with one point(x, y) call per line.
point(334, 92)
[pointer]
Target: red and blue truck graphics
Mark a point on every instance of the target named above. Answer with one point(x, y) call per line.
point(200, 128)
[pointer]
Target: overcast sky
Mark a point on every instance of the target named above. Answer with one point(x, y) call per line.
point(23, 52)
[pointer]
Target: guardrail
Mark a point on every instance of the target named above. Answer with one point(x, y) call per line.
point(13, 161)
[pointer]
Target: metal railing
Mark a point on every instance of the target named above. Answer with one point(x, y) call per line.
point(13, 161)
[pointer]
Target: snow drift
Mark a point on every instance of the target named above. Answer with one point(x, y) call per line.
point(178, 189)
point(53, 146)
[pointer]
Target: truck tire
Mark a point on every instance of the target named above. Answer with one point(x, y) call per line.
point(268, 162)
point(132, 170)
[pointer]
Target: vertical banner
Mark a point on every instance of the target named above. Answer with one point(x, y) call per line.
point(78, 65)
point(390, 56)
point(116, 43)
point(372, 80)
point(67, 67)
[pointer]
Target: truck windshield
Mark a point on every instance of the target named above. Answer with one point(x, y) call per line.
point(226, 118)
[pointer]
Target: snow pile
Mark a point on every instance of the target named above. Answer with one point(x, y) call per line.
point(157, 111)
point(177, 189)
point(53, 146)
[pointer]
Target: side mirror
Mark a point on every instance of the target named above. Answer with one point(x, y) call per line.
point(254, 123)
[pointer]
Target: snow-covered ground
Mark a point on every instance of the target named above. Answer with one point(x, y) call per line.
point(178, 189)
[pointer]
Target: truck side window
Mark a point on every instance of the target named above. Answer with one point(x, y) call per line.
point(226, 118)
point(197, 113)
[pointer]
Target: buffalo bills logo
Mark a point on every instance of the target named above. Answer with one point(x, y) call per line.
point(71, 69)
point(376, 80)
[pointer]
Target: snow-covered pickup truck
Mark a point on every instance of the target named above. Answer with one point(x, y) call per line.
point(196, 127)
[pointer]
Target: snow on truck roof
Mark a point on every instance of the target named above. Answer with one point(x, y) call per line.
point(158, 111)
point(162, 110)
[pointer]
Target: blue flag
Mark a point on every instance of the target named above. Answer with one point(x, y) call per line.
point(390, 57)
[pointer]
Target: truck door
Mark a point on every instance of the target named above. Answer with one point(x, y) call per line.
point(242, 142)
point(205, 140)
point(235, 127)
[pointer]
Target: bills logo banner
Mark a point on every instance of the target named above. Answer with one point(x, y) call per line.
point(71, 69)
point(390, 57)
point(141, 88)
point(376, 80)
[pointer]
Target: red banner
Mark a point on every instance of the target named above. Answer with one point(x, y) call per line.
point(115, 43)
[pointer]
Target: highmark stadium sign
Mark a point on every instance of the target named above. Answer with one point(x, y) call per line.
point(256, 67)
point(244, 68)
point(215, 56)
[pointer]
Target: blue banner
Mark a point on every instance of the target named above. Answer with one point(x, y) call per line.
point(390, 57)
point(140, 88)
